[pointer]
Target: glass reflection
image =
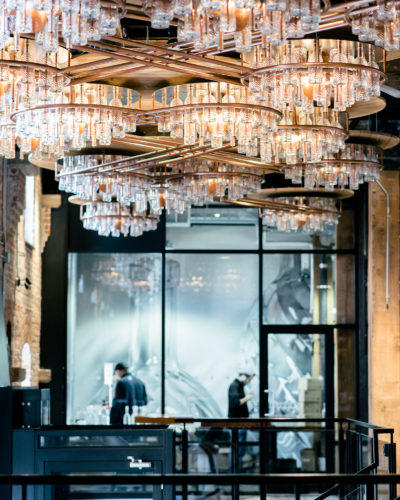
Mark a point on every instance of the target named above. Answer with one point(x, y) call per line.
point(298, 289)
point(114, 314)
point(213, 228)
point(211, 330)
point(296, 387)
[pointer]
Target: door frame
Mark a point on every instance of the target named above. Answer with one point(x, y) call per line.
point(328, 332)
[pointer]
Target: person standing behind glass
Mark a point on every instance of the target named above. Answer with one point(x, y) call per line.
point(237, 398)
point(130, 391)
point(238, 407)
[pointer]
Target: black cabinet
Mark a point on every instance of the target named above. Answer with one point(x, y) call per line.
point(102, 451)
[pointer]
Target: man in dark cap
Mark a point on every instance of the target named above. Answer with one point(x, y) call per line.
point(130, 391)
point(237, 401)
point(236, 396)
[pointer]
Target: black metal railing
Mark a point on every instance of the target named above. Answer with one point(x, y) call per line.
point(348, 483)
point(351, 446)
point(351, 449)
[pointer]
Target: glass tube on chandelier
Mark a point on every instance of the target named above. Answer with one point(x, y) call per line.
point(326, 73)
point(214, 113)
point(77, 21)
point(173, 185)
point(206, 22)
point(27, 78)
point(114, 219)
point(354, 165)
point(302, 213)
point(302, 137)
point(87, 115)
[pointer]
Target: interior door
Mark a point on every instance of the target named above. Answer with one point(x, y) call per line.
point(296, 376)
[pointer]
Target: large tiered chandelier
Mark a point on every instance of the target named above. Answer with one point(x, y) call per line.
point(326, 73)
point(206, 22)
point(112, 218)
point(301, 213)
point(304, 137)
point(78, 21)
point(27, 78)
point(296, 209)
point(216, 113)
point(378, 22)
point(354, 165)
point(173, 185)
point(84, 115)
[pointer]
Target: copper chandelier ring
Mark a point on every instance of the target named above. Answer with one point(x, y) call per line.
point(316, 128)
point(213, 105)
point(90, 107)
point(325, 163)
point(280, 68)
point(37, 66)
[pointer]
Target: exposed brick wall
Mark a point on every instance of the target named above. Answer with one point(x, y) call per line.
point(22, 306)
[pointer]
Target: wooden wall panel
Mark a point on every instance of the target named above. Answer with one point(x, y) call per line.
point(383, 323)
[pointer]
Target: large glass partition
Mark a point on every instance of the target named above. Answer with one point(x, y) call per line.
point(114, 315)
point(212, 328)
point(188, 319)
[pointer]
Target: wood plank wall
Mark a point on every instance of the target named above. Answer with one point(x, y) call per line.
point(383, 323)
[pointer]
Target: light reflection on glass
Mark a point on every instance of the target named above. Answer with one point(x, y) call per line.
point(211, 330)
point(114, 314)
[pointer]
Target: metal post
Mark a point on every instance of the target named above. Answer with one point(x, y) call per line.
point(185, 459)
point(341, 449)
point(387, 240)
point(235, 460)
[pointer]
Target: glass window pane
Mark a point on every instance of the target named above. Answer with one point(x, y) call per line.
point(296, 389)
point(296, 374)
point(272, 239)
point(212, 331)
point(114, 314)
point(213, 228)
point(301, 289)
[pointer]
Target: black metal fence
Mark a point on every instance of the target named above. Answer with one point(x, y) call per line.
point(363, 486)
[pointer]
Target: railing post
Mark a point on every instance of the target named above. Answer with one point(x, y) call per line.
point(263, 458)
point(235, 460)
point(185, 459)
point(341, 449)
point(370, 492)
point(389, 451)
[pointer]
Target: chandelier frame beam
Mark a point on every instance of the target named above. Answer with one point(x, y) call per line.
point(180, 67)
point(167, 51)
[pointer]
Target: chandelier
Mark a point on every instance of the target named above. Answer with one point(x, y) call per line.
point(206, 22)
point(354, 165)
point(27, 78)
point(377, 22)
point(114, 219)
point(78, 21)
point(302, 137)
point(217, 113)
point(325, 73)
point(86, 115)
point(173, 185)
point(296, 209)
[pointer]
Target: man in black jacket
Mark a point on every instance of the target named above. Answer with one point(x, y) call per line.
point(238, 409)
point(130, 391)
point(237, 398)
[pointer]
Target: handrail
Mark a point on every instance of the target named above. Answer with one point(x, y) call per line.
point(199, 479)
